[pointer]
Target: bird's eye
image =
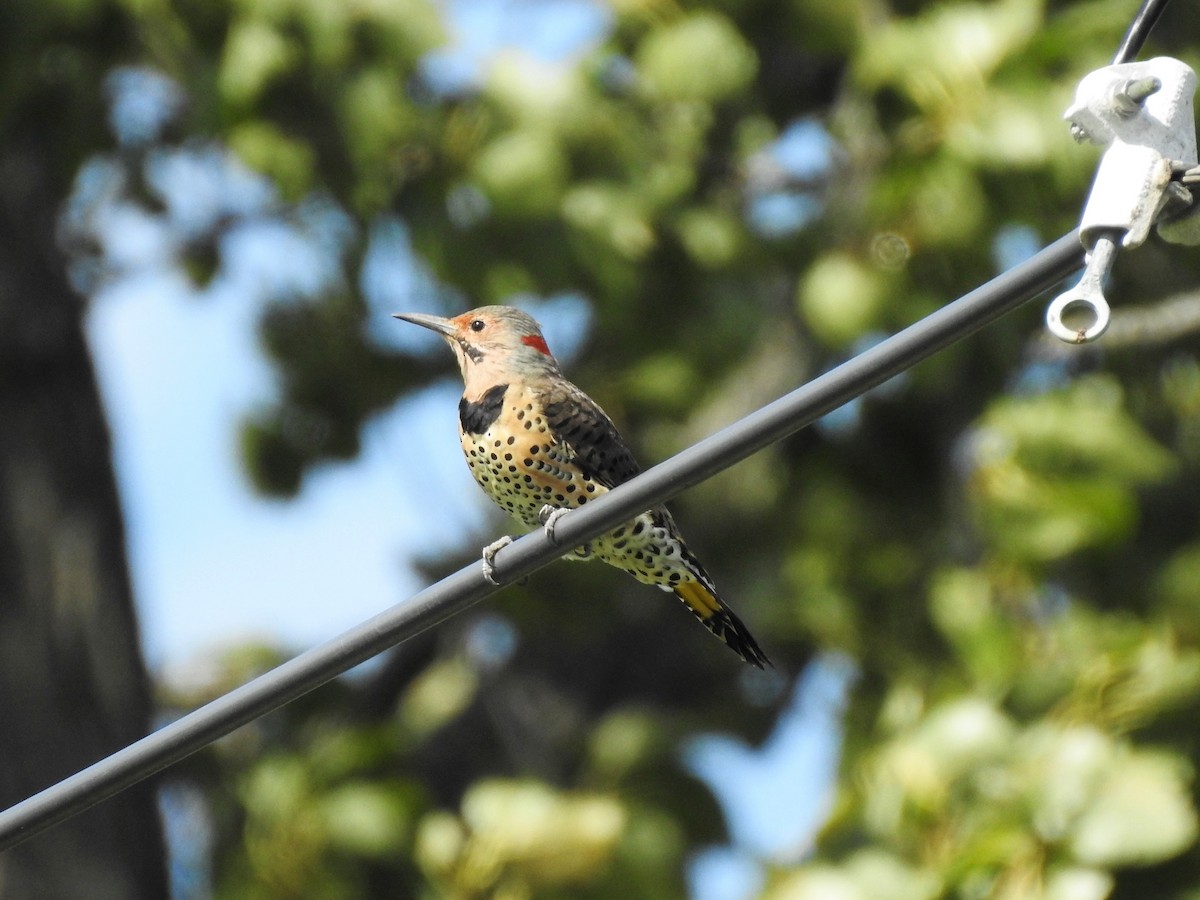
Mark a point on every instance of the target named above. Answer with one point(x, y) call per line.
point(478, 325)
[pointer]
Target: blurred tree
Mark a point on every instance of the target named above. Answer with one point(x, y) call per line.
point(74, 688)
point(1004, 540)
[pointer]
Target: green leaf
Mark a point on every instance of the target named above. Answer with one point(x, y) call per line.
point(367, 818)
point(840, 298)
point(703, 58)
point(1141, 813)
point(523, 173)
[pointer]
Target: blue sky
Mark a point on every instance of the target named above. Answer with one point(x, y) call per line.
point(215, 564)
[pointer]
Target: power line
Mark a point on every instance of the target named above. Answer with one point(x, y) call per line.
point(468, 586)
point(1139, 29)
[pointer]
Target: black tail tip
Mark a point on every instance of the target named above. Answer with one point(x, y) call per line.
point(737, 636)
point(753, 654)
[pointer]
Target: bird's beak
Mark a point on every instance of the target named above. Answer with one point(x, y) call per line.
point(433, 323)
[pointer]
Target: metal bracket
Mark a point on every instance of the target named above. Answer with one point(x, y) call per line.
point(1142, 112)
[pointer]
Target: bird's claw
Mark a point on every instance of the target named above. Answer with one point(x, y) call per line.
point(549, 516)
point(489, 557)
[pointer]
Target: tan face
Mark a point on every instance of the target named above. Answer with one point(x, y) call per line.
point(493, 345)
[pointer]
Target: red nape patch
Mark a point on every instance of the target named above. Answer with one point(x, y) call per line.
point(537, 342)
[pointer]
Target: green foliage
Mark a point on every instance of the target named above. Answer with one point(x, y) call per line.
point(666, 60)
point(841, 298)
point(1004, 539)
point(520, 831)
point(978, 803)
point(1058, 473)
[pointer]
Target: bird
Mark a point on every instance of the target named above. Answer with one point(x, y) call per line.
point(539, 446)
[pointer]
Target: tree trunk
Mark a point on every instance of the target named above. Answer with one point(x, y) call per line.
point(72, 685)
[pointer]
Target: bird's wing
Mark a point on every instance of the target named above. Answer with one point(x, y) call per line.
point(596, 445)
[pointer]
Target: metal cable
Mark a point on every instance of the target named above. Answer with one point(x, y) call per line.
point(468, 586)
point(1139, 30)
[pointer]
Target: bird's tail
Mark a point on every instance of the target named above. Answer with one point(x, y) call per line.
point(720, 620)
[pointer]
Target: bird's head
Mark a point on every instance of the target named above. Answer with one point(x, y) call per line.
point(493, 344)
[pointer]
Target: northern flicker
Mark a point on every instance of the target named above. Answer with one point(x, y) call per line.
point(539, 446)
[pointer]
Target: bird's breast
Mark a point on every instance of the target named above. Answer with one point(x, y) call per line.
point(517, 458)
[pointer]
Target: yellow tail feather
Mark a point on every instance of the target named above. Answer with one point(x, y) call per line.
point(720, 620)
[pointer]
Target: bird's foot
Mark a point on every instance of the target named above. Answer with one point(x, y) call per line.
point(489, 557)
point(549, 516)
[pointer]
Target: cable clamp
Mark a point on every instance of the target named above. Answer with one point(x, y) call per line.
point(1142, 112)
